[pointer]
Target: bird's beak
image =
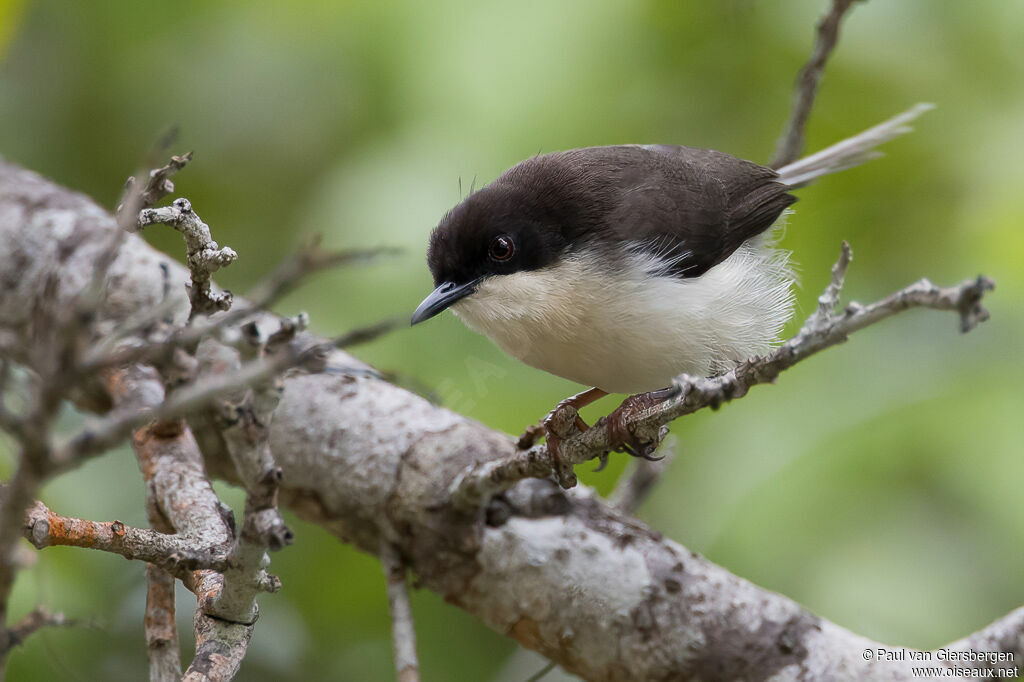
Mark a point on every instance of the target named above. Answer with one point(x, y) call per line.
point(442, 297)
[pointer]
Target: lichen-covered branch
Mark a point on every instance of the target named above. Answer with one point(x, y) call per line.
point(204, 255)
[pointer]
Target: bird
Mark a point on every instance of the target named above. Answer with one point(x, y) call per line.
point(623, 267)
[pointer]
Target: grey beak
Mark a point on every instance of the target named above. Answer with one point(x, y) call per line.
point(442, 297)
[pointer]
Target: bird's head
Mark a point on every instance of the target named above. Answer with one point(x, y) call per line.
point(500, 230)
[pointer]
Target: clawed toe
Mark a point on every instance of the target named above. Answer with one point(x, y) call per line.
point(622, 437)
point(564, 420)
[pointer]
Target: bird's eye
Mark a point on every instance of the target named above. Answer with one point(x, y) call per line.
point(502, 248)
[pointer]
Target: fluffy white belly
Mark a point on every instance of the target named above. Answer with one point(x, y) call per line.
point(633, 330)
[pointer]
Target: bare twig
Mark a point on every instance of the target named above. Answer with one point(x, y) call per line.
point(368, 333)
point(33, 462)
point(162, 646)
point(791, 142)
point(176, 554)
point(403, 632)
point(310, 259)
point(34, 620)
point(105, 433)
point(204, 256)
point(161, 631)
point(244, 423)
point(226, 602)
point(822, 329)
point(158, 185)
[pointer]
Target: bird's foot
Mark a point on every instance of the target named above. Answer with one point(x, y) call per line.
point(562, 422)
point(622, 437)
point(559, 425)
point(534, 432)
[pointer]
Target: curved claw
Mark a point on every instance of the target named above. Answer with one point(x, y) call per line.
point(603, 457)
point(623, 440)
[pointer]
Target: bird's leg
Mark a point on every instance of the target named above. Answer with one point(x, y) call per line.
point(575, 402)
point(557, 425)
point(618, 422)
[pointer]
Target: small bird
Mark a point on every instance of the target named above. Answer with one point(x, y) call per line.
point(626, 266)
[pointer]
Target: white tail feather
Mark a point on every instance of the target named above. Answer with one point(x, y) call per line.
point(852, 151)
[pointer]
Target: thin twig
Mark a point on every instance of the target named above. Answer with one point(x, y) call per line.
point(542, 673)
point(204, 256)
point(162, 648)
point(176, 554)
point(105, 433)
point(161, 631)
point(158, 185)
point(791, 143)
point(403, 631)
point(310, 259)
point(822, 330)
point(34, 620)
point(633, 488)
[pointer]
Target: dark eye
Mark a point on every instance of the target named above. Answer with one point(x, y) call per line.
point(502, 248)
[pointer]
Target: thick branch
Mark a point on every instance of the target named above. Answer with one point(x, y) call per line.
point(220, 648)
point(561, 572)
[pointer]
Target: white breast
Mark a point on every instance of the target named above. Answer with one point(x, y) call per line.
point(636, 329)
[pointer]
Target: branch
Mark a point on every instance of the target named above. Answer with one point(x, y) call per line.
point(179, 488)
point(791, 143)
point(176, 554)
point(403, 633)
point(99, 436)
point(632, 489)
point(310, 259)
point(162, 647)
point(204, 255)
point(161, 631)
point(220, 648)
point(158, 185)
point(104, 434)
point(36, 619)
point(822, 330)
point(560, 571)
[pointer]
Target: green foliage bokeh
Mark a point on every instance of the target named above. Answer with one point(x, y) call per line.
point(878, 484)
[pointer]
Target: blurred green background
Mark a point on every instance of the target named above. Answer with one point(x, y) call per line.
point(878, 484)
